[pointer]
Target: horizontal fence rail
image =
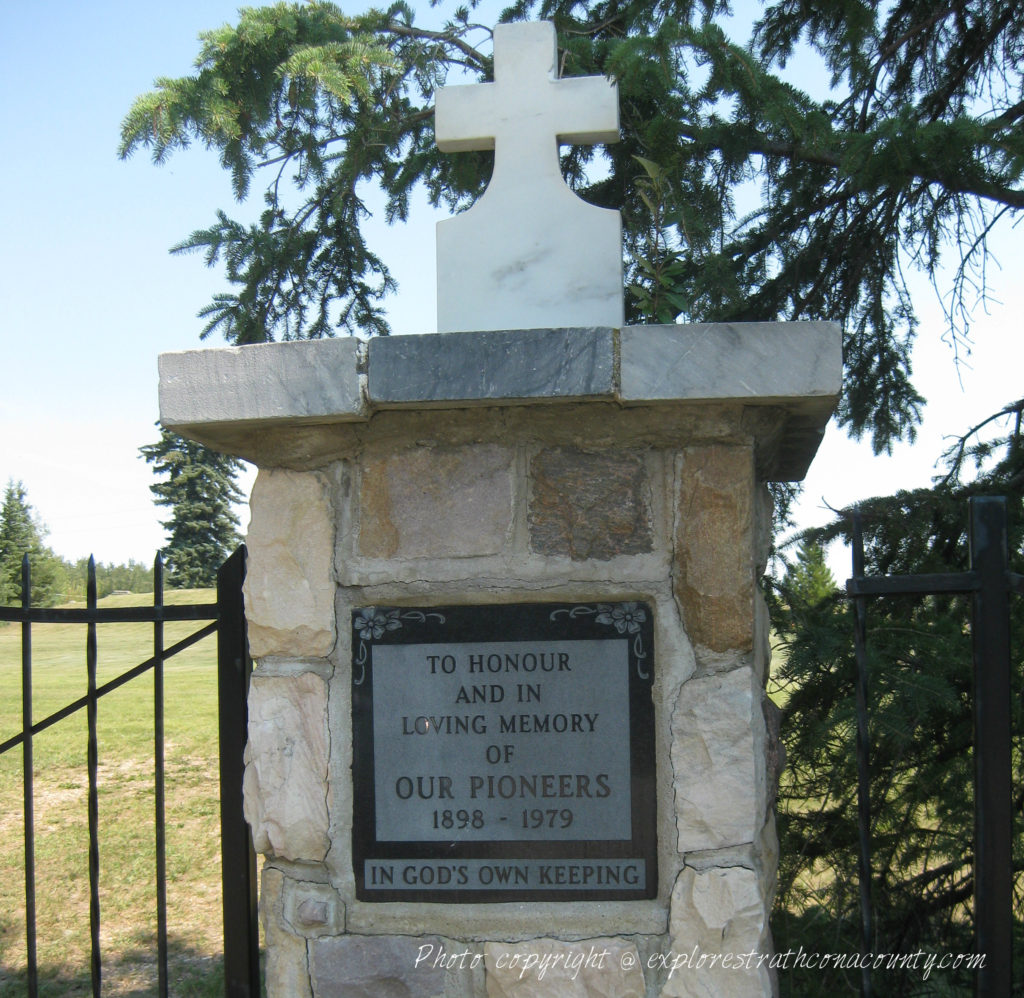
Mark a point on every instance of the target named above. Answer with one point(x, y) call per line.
point(109, 615)
point(226, 619)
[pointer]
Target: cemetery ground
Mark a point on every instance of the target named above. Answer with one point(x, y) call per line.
point(126, 805)
point(126, 809)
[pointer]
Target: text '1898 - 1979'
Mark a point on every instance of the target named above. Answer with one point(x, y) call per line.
point(504, 752)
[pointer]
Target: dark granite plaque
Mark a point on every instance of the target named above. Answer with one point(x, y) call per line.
point(503, 753)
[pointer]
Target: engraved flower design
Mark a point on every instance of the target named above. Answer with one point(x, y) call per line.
point(371, 623)
point(624, 617)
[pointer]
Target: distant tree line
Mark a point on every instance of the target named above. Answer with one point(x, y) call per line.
point(134, 577)
point(22, 534)
point(54, 579)
point(196, 484)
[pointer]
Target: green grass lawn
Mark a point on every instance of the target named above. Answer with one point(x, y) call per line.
point(126, 806)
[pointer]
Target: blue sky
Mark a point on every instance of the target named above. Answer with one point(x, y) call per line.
point(90, 295)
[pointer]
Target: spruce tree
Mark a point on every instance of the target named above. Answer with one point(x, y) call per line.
point(910, 160)
point(21, 534)
point(808, 580)
point(199, 487)
point(921, 729)
point(912, 156)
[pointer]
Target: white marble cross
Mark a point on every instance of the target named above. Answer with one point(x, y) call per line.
point(529, 254)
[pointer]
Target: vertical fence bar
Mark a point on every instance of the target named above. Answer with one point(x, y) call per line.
point(993, 788)
point(863, 760)
point(93, 804)
point(241, 931)
point(28, 781)
point(158, 777)
point(27, 615)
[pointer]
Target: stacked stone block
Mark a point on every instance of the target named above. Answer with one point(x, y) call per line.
point(511, 496)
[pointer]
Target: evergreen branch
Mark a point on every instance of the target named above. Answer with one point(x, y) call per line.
point(964, 63)
point(408, 31)
point(285, 157)
point(967, 255)
point(761, 145)
point(955, 455)
point(892, 49)
point(407, 123)
point(1010, 116)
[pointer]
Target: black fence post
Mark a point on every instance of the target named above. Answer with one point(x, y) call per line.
point(241, 930)
point(159, 779)
point(993, 828)
point(28, 780)
point(92, 765)
point(863, 760)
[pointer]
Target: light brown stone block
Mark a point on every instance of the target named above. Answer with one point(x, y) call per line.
point(285, 784)
point(313, 909)
point(287, 968)
point(719, 913)
point(431, 502)
point(589, 505)
point(715, 543)
point(550, 968)
point(289, 582)
point(381, 967)
point(718, 747)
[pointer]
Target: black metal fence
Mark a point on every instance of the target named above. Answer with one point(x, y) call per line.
point(224, 618)
point(990, 583)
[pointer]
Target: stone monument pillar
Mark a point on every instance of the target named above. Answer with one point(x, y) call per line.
point(508, 733)
point(430, 510)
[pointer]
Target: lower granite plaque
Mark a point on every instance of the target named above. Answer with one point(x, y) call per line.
point(503, 752)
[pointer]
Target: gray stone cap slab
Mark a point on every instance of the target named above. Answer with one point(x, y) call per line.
point(219, 395)
point(299, 382)
point(503, 366)
point(753, 361)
